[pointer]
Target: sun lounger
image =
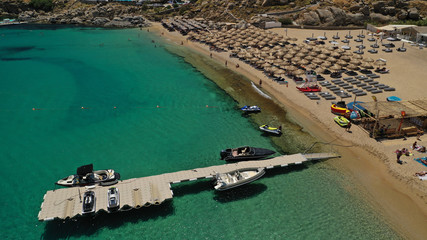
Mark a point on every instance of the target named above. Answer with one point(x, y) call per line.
point(348, 78)
point(330, 97)
point(389, 89)
point(333, 88)
point(360, 84)
point(360, 76)
point(366, 87)
point(363, 78)
point(336, 81)
point(367, 80)
point(373, 83)
point(325, 83)
point(370, 89)
point(376, 91)
point(360, 94)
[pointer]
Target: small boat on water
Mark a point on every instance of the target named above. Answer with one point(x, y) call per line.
point(269, 129)
point(251, 109)
point(113, 198)
point(225, 181)
point(86, 176)
point(245, 153)
point(89, 203)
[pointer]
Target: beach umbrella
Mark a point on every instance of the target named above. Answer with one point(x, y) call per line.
point(296, 59)
point(313, 53)
point(235, 51)
point(271, 57)
point(279, 71)
point(317, 50)
point(253, 60)
point(298, 72)
point(280, 54)
point(355, 105)
point(309, 58)
point(339, 50)
point(309, 47)
point(326, 64)
point(346, 53)
point(304, 62)
point(266, 65)
point(331, 59)
point(336, 67)
point(260, 62)
point(277, 47)
point(352, 67)
point(322, 56)
point(330, 48)
point(277, 61)
point(367, 65)
point(284, 64)
point(335, 55)
point(288, 56)
point(326, 51)
point(380, 63)
point(368, 60)
point(357, 56)
point(355, 61)
point(311, 66)
point(300, 54)
point(342, 63)
point(291, 68)
point(293, 39)
point(273, 69)
point(345, 58)
point(317, 61)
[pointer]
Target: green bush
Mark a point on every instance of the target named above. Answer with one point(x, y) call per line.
point(412, 22)
point(45, 5)
point(285, 21)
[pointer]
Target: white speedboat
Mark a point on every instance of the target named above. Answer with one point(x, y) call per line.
point(269, 129)
point(86, 176)
point(225, 181)
point(113, 199)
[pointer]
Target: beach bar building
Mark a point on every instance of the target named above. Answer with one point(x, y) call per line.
point(396, 119)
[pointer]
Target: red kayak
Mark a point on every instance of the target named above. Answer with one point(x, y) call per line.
point(310, 89)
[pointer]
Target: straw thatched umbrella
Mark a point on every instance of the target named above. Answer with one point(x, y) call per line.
point(291, 68)
point(279, 71)
point(280, 54)
point(300, 54)
point(296, 59)
point(355, 62)
point(317, 61)
point(346, 53)
point(326, 51)
point(311, 66)
point(322, 56)
point(345, 58)
point(331, 59)
point(298, 72)
point(357, 56)
point(336, 67)
point(284, 64)
point(288, 56)
point(330, 48)
point(304, 62)
point(352, 67)
point(321, 70)
point(367, 65)
point(266, 65)
point(260, 62)
point(277, 62)
point(309, 58)
point(293, 39)
point(254, 60)
point(342, 63)
point(313, 54)
point(368, 60)
point(380, 63)
point(336, 54)
point(326, 64)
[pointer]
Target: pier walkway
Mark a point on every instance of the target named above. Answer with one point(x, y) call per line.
point(153, 190)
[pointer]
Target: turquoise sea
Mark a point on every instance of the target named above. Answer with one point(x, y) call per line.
point(95, 94)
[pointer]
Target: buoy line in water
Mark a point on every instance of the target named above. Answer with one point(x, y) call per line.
point(259, 91)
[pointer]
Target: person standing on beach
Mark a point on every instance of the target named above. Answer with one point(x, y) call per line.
point(210, 55)
point(418, 135)
point(225, 62)
point(347, 128)
point(260, 82)
point(399, 154)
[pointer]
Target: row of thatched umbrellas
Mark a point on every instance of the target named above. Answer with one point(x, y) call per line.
point(273, 53)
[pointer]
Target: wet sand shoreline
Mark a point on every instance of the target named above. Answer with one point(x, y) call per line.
point(402, 206)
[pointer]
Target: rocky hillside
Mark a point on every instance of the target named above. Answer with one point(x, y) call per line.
point(301, 12)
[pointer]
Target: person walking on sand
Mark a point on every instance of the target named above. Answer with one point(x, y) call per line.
point(347, 128)
point(399, 154)
point(418, 135)
point(225, 62)
point(260, 82)
point(210, 55)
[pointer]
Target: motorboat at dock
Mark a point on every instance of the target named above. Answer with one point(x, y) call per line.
point(245, 153)
point(89, 203)
point(113, 199)
point(86, 176)
point(225, 181)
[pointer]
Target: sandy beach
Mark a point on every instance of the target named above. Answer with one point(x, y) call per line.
point(392, 188)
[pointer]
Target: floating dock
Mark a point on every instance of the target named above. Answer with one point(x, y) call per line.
point(138, 192)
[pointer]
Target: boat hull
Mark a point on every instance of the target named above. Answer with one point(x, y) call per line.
point(235, 154)
point(75, 180)
point(222, 185)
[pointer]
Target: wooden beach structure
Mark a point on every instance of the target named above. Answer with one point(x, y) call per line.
point(135, 193)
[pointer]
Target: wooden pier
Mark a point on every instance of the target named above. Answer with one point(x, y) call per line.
point(138, 192)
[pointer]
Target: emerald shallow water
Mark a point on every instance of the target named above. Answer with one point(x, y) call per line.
point(59, 70)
